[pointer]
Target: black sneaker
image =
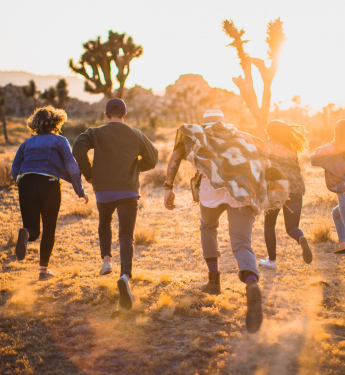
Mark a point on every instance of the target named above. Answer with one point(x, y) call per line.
point(22, 243)
point(126, 299)
point(254, 308)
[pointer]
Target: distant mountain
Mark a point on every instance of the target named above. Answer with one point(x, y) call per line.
point(75, 84)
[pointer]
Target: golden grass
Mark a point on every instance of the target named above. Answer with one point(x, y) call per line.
point(79, 208)
point(322, 229)
point(6, 179)
point(73, 324)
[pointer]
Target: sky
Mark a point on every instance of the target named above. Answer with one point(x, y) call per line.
point(185, 36)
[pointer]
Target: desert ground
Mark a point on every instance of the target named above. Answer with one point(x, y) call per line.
point(72, 324)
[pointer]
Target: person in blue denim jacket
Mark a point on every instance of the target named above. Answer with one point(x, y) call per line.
point(40, 163)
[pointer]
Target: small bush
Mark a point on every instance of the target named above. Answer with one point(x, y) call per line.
point(11, 236)
point(154, 178)
point(6, 179)
point(322, 229)
point(327, 200)
point(144, 236)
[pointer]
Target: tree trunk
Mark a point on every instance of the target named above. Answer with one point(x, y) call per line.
point(3, 118)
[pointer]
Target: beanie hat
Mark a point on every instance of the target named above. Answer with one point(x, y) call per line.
point(212, 116)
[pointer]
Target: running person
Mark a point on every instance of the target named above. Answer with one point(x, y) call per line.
point(285, 142)
point(120, 154)
point(39, 164)
point(233, 165)
point(331, 158)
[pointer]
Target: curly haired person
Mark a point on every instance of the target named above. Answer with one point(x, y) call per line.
point(39, 164)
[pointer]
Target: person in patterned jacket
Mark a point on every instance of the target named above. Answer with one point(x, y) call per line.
point(233, 166)
point(284, 145)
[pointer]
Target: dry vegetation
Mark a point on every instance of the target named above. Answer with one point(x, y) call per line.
point(72, 324)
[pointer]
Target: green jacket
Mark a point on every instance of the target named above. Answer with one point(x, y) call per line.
point(116, 163)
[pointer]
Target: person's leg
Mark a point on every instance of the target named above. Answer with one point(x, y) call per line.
point(50, 201)
point(270, 234)
point(106, 211)
point(127, 212)
point(29, 207)
point(292, 215)
point(241, 222)
point(209, 223)
point(339, 221)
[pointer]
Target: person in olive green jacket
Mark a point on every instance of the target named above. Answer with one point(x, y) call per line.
point(120, 154)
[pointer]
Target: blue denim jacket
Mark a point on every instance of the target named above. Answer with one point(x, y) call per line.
point(48, 154)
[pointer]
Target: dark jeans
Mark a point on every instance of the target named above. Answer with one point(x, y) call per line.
point(127, 213)
point(40, 197)
point(292, 214)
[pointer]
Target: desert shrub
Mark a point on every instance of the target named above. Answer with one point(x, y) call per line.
point(6, 179)
point(327, 200)
point(80, 209)
point(11, 236)
point(144, 236)
point(321, 229)
point(154, 178)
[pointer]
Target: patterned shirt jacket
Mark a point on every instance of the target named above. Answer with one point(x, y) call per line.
point(286, 159)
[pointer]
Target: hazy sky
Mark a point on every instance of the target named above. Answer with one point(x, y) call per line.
point(184, 36)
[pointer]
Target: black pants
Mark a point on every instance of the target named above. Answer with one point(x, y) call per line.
point(38, 196)
point(127, 209)
point(292, 214)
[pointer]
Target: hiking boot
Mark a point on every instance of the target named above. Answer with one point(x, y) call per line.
point(213, 285)
point(254, 308)
point(22, 243)
point(106, 268)
point(46, 275)
point(126, 299)
point(307, 254)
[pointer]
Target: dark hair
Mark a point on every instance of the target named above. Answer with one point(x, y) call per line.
point(118, 114)
point(46, 120)
point(292, 136)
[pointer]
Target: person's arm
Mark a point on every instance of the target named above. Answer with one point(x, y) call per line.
point(17, 162)
point(148, 153)
point(81, 146)
point(72, 169)
point(321, 157)
point(173, 167)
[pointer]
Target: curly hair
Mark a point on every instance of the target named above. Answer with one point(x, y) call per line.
point(46, 120)
point(292, 136)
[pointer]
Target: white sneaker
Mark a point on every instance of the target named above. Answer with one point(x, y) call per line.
point(266, 263)
point(106, 268)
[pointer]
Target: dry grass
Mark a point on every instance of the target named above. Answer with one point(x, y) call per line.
point(79, 208)
point(6, 179)
point(12, 234)
point(322, 228)
point(73, 324)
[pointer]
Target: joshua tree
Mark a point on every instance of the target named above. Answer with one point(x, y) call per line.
point(3, 113)
point(62, 92)
point(30, 92)
point(49, 95)
point(275, 39)
point(99, 56)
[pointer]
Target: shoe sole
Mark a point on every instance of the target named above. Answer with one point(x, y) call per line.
point(254, 309)
point(340, 251)
point(213, 293)
point(43, 276)
point(106, 272)
point(126, 300)
point(307, 254)
point(270, 268)
point(21, 245)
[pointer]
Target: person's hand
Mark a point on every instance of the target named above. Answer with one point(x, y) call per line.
point(169, 199)
point(86, 198)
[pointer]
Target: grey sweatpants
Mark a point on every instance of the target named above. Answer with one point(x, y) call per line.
point(241, 222)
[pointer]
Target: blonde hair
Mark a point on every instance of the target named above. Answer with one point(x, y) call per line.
point(292, 136)
point(339, 136)
point(46, 120)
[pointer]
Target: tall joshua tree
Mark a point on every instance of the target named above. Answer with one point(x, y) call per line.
point(275, 40)
point(3, 113)
point(30, 92)
point(49, 96)
point(99, 57)
point(62, 92)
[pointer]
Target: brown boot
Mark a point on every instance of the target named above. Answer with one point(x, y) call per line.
point(254, 308)
point(213, 285)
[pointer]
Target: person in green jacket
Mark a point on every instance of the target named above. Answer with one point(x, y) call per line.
point(120, 154)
